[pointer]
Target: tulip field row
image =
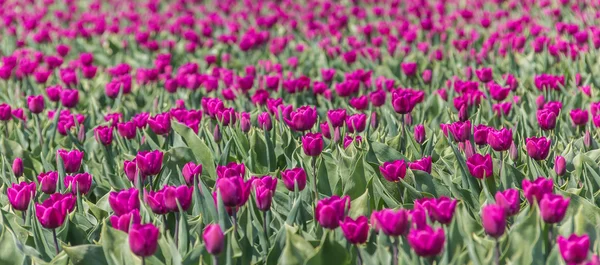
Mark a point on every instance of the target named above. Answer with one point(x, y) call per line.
point(299, 132)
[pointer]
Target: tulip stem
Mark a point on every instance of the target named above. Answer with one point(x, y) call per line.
point(215, 261)
point(38, 126)
point(234, 217)
point(314, 168)
point(497, 252)
point(23, 215)
point(359, 260)
point(143, 260)
point(266, 230)
point(55, 241)
point(176, 229)
point(395, 251)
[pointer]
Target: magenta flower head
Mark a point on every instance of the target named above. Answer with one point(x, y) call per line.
point(419, 132)
point(48, 181)
point(302, 119)
point(546, 119)
point(574, 249)
point(245, 123)
point(104, 134)
point(125, 221)
point(149, 163)
point(71, 160)
point(538, 147)
point(377, 97)
point(160, 124)
point(423, 164)
point(292, 177)
point(560, 165)
point(330, 211)
point(213, 239)
point(427, 242)
point(264, 190)
point(5, 112)
point(391, 222)
point(143, 239)
point(484, 74)
point(190, 171)
point(156, 201)
point(130, 169)
point(500, 140)
point(312, 144)
point(493, 219)
point(480, 134)
point(17, 167)
point(553, 208)
point(81, 182)
point(264, 121)
point(127, 130)
point(579, 117)
point(509, 200)
point(231, 170)
point(234, 191)
point(356, 123)
point(53, 93)
point(404, 101)
point(393, 171)
point(356, 230)
point(52, 212)
point(480, 166)
point(537, 189)
point(442, 209)
point(20, 194)
point(174, 195)
point(69, 98)
point(460, 130)
point(124, 201)
point(336, 117)
point(35, 104)
point(497, 92)
point(409, 68)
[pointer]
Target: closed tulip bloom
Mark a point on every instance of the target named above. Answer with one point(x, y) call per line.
point(245, 123)
point(403, 101)
point(546, 119)
point(52, 212)
point(359, 103)
point(264, 121)
point(20, 194)
point(497, 92)
point(264, 190)
point(579, 117)
point(5, 112)
point(104, 134)
point(156, 201)
point(509, 200)
point(484, 74)
point(337, 117)
point(53, 93)
point(393, 171)
point(312, 144)
point(69, 98)
point(292, 177)
point(124, 201)
point(480, 166)
point(391, 222)
point(500, 140)
point(560, 165)
point(461, 131)
point(234, 191)
point(409, 68)
point(130, 169)
point(124, 221)
point(553, 208)
point(191, 171)
point(35, 104)
point(17, 167)
point(419, 132)
point(231, 170)
point(175, 195)
point(127, 130)
point(143, 239)
point(48, 181)
point(356, 123)
point(213, 239)
point(423, 164)
point(302, 119)
point(377, 97)
point(427, 242)
point(537, 189)
point(149, 163)
point(442, 210)
point(160, 124)
point(81, 182)
point(356, 230)
point(493, 219)
point(71, 160)
point(538, 147)
point(574, 249)
point(330, 211)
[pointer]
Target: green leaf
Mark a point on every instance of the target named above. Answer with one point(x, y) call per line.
point(329, 252)
point(86, 255)
point(296, 251)
point(201, 151)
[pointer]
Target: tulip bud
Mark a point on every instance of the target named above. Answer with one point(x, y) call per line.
point(245, 122)
point(560, 165)
point(509, 200)
point(71, 160)
point(104, 134)
point(574, 249)
point(35, 104)
point(330, 211)
point(264, 189)
point(355, 231)
point(293, 177)
point(48, 181)
point(143, 239)
point(463, 113)
point(191, 171)
point(17, 167)
point(553, 208)
point(513, 152)
point(419, 132)
point(423, 164)
point(493, 218)
point(217, 134)
point(5, 112)
point(312, 144)
point(174, 195)
point(426, 242)
point(213, 239)
point(587, 139)
point(264, 121)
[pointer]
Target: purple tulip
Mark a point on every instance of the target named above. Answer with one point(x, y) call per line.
point(560, 165)
point(404, 101)
point(480, 134)
point(69, 98)
point(71, 160)
point(442, 209)
point(52, 212)
point(125, 221)
point(127, 130)
point(391, 222)
point(553, 207)
point(509, 200)
point(537, 189)
point(81, 183)
point(149, 163)
point(191, 171)
point(337, 117)
point(234, 191)
point(104, 134)
point(312, 144)
point(35, 104)
point(245, 123)
point(48, 181)
point(426, 242)
point(19, 195)
point(330, 211)
point(156, 201)
point(480, 166)
point(377, 97)
point(574, 249)
point(393, 171)
point(264, 121)
point(175, 195)
point(264, 189)
point(546, 119)
point(5, 112)
point(419, 132)
point(538, 147)
point(460, 130)
point(579, 117)
point(17, 167)
point(124, 201)
point(356, 230)
point(231, 170)
point(423, 164)
point(160, 124)
point(500, 140)
point(356, 123)
point(484, 74)
point(409, 68)
point(292, 177)
point(213, 239)
point(143, 239)
point(302, 119)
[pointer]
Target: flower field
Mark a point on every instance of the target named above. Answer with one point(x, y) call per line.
point(299, 132)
